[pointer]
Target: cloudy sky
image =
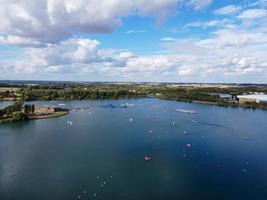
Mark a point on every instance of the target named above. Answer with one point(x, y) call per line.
point(134, 40)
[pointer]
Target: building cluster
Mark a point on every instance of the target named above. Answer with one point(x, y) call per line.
point(49, 109)
point(245, 98)
point(252, 98)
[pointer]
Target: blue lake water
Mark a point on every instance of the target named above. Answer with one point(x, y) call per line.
point(216, 154)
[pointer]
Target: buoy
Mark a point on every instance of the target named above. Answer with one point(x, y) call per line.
point(146, 158)
point(246, 138)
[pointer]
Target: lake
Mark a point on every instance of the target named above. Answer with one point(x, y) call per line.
point(98, 153)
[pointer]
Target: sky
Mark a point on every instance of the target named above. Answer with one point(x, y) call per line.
point(134, 40)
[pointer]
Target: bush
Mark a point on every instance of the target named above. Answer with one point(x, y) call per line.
point(18, 116)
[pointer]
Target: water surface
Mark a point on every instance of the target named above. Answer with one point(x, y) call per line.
point(101, 154)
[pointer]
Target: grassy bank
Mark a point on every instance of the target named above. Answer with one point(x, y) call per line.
point(50, 115)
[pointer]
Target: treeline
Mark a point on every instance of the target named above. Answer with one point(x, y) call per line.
point(78, 93)
point(186, 95)
point(17, 111)
point(232, 90)
point(7, 94)
point(202, 95)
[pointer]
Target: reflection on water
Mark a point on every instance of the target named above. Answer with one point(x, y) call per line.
point(99, 153)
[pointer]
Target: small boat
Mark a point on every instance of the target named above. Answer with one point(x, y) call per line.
point(185, 133)
point(247, 138)
point(69, 122)
point(186, 111)
point(147, 158)
point(151, 131)
point(189, 145)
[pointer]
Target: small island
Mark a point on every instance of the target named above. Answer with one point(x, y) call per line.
point(22, 112)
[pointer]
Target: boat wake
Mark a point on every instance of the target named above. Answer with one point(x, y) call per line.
point(209, 124)
point(186, 111)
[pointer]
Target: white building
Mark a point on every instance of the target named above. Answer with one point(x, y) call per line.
point(251, 98)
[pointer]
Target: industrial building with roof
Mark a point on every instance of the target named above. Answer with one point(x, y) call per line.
point(252, 98)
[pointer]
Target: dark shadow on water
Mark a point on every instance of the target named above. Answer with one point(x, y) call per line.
point(210, 124)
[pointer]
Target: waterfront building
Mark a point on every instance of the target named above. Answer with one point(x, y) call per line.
point(252, 98)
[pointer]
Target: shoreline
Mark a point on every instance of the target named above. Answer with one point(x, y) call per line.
point(230, 105)
point(236, 105)
point(45, 116)
point(37, 117)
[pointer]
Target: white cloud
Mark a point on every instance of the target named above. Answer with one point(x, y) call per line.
point(54, 69)
point(253, 14)
point(134, 31)
point(49, 58)
point(130, 31)
point(212, 23)
point(168, 39)
point(200, 4)
point(126, 55)
point(229, 51)
point(260, 3)
point(19, 41)
point(50, 21)
point(228, 10)
point(185, 71)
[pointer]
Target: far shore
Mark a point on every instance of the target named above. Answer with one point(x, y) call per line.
point(239, 105)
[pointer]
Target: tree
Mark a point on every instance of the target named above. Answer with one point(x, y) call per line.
point(32, 108)
point(13, 108)
point(2, 113)
point(18, 116)
point(27, 109)
point(17, 106)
